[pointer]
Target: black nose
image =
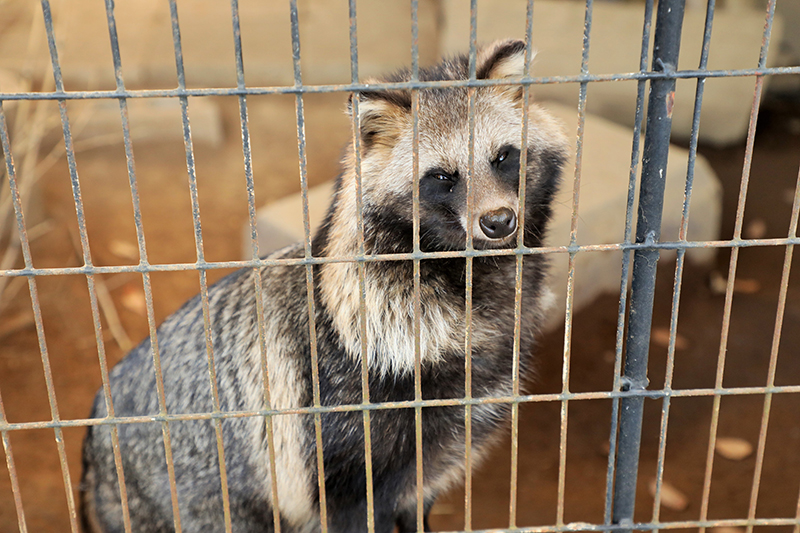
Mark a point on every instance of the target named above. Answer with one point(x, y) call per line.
point(499, 223)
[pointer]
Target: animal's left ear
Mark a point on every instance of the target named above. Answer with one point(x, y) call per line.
point(383, 116)
point(503, 59)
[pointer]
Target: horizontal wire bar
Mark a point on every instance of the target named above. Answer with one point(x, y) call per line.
point(408, 404)
point(302, 261)
point(645, 526)
point(350, 87)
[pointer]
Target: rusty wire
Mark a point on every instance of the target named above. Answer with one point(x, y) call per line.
point(198, 239)
point(349, 87)
point(251, 207)
point(726, 316)
point(679, 264)
point(312, 329)
point(515, 370)
point(418, 445)
point(573, 239)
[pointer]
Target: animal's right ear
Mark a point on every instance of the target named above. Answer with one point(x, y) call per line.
point(382, 115)
point(500, 60)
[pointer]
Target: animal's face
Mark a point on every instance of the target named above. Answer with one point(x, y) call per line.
point(464, 138)
point(492, 168)
point(454, 153)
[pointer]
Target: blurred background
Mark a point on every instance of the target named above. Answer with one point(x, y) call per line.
point(384, 44)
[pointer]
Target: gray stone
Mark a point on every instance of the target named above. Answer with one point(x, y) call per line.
point(148, 57)
point(616, 42)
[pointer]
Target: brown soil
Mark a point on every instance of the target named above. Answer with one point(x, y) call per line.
point(166, 218)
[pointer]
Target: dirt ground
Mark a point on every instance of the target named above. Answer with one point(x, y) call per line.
point(166, 216)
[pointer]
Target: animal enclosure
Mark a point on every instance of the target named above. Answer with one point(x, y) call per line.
point(642, 400)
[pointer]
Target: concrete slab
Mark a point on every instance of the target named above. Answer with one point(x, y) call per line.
point(616, 42)
point(148, 57)
point(151, 119)
point(602, 205)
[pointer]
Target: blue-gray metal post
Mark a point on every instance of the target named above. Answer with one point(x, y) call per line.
point(648, 230)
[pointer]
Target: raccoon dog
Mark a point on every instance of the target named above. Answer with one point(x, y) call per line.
point(386, 168)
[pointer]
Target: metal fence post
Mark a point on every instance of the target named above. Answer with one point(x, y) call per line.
point(648, 230)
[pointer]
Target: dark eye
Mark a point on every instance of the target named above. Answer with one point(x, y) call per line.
point(502, 156)
point(439, 175)
point(437, 183)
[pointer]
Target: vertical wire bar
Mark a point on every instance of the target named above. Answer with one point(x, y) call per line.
point(198, 240)
point(76, 194)
point(312, 328)
point(126, 520)
point(737, 234)
point(797, 514)
point(773, 359)
point(648, 229)
point(626, 261)
point(362, 286)
point(420, 492)
point(523, 176)
point(573, 240)
point(162, 400)
point(98, 329)
point(12, 182)
point(156, 354)
point(251, 206)
point(676, 295)
point(145, 279)
point(776, 338)
point(473, 24)
point(12, 474)
point(148, 298)
point(123, 107)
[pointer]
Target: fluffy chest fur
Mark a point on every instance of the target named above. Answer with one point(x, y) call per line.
point(442, 377)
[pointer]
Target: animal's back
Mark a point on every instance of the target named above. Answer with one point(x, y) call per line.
point(187, 390)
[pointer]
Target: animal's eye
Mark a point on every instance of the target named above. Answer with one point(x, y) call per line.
point(441, 176)
point(502, 156)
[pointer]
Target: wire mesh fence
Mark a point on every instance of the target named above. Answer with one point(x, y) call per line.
point(639, 251)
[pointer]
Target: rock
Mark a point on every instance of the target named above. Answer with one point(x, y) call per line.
point(616, 43)
point(603, 201)
point(151, 119)
point(733, 448)
point(147, 50)
point(755, 229)
point(661, 337)
point(671, 497)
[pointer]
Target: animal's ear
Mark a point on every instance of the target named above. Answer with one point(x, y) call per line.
point(383, 115)
point(503, 59)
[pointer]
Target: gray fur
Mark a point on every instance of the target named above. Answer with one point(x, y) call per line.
point(187, 390)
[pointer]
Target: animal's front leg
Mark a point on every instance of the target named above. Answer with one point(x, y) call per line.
point(407, 518)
